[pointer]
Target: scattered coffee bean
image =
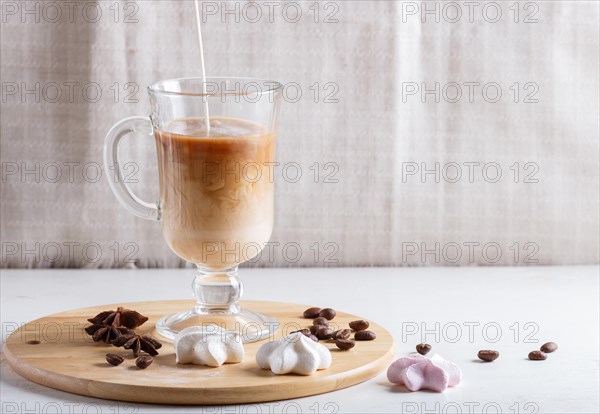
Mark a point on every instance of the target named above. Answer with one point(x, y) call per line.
point(311, 313)
point(365, 335)
point(324, 333)
point(488, 355)
point(321, 321)
point(342, 334)
point(327, 313)
point(307, 332)
point(313, 329)
point(114, 359)
point(549, 347)
point(344, 344)
point(360, 325)
point(423, 348)
point(143, 361)
point(537, 356)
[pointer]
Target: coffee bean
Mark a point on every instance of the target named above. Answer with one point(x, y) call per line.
point(342, 334)
point(307, 332)
point(114, 359)
point(327, 313)
point(365, 335)
point(344, 344)
point(549, 347)
point(360, 325)
point(324, 332)
point(311, 313)
point(321, 321)
point(488, 355)
point(313, 329)
point(537, 356)
point(423, 348)
point(143, 361)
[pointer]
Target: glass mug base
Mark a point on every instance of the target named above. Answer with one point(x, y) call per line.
point(252, 326)
point(217, 302)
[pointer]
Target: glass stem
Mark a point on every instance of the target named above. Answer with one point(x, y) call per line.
point(217, 292)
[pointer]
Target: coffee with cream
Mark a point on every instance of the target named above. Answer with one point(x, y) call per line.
point(216, 190)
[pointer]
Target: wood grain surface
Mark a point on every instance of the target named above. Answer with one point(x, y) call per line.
point(56, 352)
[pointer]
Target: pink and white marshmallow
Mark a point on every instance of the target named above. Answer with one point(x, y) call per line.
point(417, 372)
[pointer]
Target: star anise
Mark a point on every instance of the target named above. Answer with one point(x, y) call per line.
point(106, 333)
point(138, 343)
point(121, 317)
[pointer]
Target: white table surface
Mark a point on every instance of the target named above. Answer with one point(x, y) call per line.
point(530, 305)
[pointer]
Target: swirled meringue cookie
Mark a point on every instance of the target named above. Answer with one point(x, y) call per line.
point(208, 345)
point(418, 372)
point(294, 354)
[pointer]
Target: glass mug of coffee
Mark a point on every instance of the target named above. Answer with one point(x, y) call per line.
point(216, 188)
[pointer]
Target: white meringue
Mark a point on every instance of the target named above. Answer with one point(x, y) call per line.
point(295, 354)
point(208, 345)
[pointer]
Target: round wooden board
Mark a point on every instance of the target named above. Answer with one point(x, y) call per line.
point(66, 359)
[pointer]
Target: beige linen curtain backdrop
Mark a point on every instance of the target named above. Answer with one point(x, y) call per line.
point(517, 179)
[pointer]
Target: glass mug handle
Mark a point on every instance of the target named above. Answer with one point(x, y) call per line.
point(133, 204)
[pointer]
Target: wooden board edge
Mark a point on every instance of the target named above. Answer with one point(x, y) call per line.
point(149, 395)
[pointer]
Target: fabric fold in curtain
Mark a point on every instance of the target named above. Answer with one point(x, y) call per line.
point(419, 162)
